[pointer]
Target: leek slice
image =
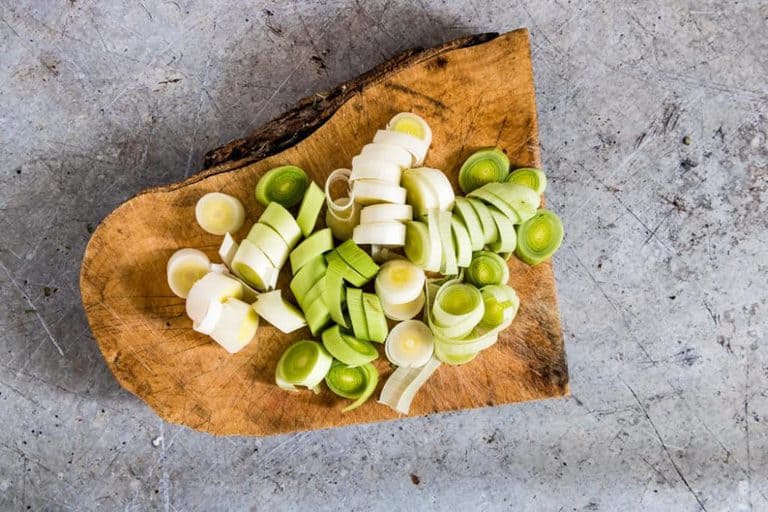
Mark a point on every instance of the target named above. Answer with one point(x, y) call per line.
point(219, 213)
point(184, 268)
point(227, 249)
point(284, 185)
point(348, 273)
point(457, 309)
point(211, 318)
point(419, 193)
point(438, 183)
point(507, 237)
point(306, 278)
point(435, 258)
point(484, 166)
point(364, 168)
point(212, 286)
point(375, 320)
point(236, 326)
point(464, 210)
point(490, 231)
point(342, 205)
point(529, 177)
point(386, 213)
point(501, 305)
point(342, 227)
point(461, 242)
point(318, 243)
point(270, 243)
point(377, 191)
point(357, 313)
point(280, 219)
point(310, 208)
point(304, 363)
point(405, 311)
point(252, 265)
point(417, 243)
point(415, 146)
point(350, 351)
point(382, 254)
point(496, 202)
point(399, 281)
point(358, 259)
point(448, 265)
point(356, 383)
point(314, 294)
point(401, 387)
point(450, 358)
point(472, 344)
point(410, 123)
point(335, 292)
point(519, 198)
point(410, 344)
point(539, 237)
point(389, 153)
point(380, 233)
point(317, 315)
point(487, 268)
point(280, 313)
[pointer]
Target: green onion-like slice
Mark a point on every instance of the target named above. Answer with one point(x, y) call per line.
point(417, 242)
point(377, 191)
point(335, 292)
point(464, 211)
point(356, 383)
point(285, 185)
point(357, 313)
point(458, 308)
point(219, 213)
point(282, 314)
point(507, 237)
point(280, 219)
point(306, 278)
point(489, 229)
point(347, 349)
point(522, 200)
point(410, 344)
point(539, 237)
point(374, 318)
point(401, 387)
point(448, 266)
point(358, 259)
point(532, 178)
point(495, 201)
point(487, 268)
point(310, 208)
point(461, 242)
point(318, 243)
point(484, 166)
point(349, 274)
point(270, 243)
point(304, 363)
point(450, 358)
point(399, 281)
point(317, 315)
point(386, 212)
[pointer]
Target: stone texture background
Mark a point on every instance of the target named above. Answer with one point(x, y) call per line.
point(654, 130)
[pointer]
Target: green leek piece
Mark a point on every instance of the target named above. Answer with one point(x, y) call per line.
point(529, 177)
point(281, 220)
point(451, 359)
point(448, 265)
point(495, 201)
point(335, 292)
point(270, 242)
point(317, 244)
point(306, 278)
point(304, 363)
point(435, 260)
point(507, 237)
point(487, 268)
point(356, 383)
point(401, 387)
point(539, 237)
point(521, 199)
point(348, 349)
point(484, 166)
point(490, 231)
point(501, 305)
point(417, 242)
point(457, 309)
point(315, 293)
point(252, 265)
point(461, 242)
point(358, 259)
point(284, 185)
point(464, 211)
point(357, 313)
point(374, 318)
point(349, 274)
point(310, 208)
point(317, 316)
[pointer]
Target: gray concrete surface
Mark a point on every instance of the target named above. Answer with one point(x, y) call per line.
point(662, 278)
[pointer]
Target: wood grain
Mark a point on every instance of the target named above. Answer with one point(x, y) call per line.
point(475, 92)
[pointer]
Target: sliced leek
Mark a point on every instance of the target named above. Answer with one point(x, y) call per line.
point(401, 387)
point(212, 316)
point(364, 168)
point(342, 227)
point(386, 213)
point(236, 326)
point(399, 281)
point(415, 146)
point(212, 286)
point(219, 213)
point(306, 278)
point(318, 243)
point(484, 166)
point(277, 311)
point(412, 124)
point(446, 356)
point(356, 383)
point(358, 259)
point(404, 311)
point(448, 266)
point(419, 193)
point(487, 268)
point(280, 219)
point(417, 243)
point(436, 258)
point(380, 233)
point(375, 320)
point(304, 363)
point(507, 237)
point(457, 309)
point(314, 294)
point(409, 344)
point(317, 315)
point(438, 183)
point(464, 210)
point(523, 200)
point(270, 243)
point(357, 313)
point(340, 204)
point(335, 292)
point(348, 349)
point(539, 237)
point(377, 191)
point(532, 178)
point(488, 226)
point(494, 201)
point(348, 273)
point(389, 153)
point(310, 208)
point(461, 242)
point(185, 267)
point(253, 266)
point(227, 249)
point(501, 305)
point(284, 185)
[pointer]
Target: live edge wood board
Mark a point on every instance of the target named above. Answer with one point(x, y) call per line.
point(474, 92)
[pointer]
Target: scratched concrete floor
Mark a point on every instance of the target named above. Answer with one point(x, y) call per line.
point(662, 278)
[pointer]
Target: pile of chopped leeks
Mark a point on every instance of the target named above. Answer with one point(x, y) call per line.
point(351, 298)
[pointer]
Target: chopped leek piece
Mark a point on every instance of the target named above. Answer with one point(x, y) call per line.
point(507, 237)
point(458, 308)
point(342, 226)
point(519, 198)
point(399, 281)
point(374, 318)
point(405, 311)
point(463, 209)
point(185, 267)
point(318, 243)
point(388, 152)
point(448, 266)
point(315, 293)
point(382, 254)
point(490, 231)
point(501, 305)
point(358, 259)
point(539, 237)
point(364, 168)
point(438, 183)
point(317, 315)
point(356, 383)
point(249, 293)
point(212, 286)
point(419, 193)
point(487, 268)
point(227, 249)
point(357, 313)
point(484, 166)
point(461, 242)
point(306, 278)
point(284, 185)
point(280, 219)
point(277, 311)
point(219, 213)
point(380, 233)
point(211, 318)
point(492, 200)
point(349, 274)
point(409, 344)
point(342, 205)
point(304, 363)
point(417, 243)
point(415, 146)
point(347, 349)
point(377, 191)
point(452, 359)
point(407, 122)
point(236, 327)
point(435, 259)
point(310, 208)
point(401, 387)
point(335, 292)
point(386, 213)
point(252, 265)
point(532, 178)
point(270, 243)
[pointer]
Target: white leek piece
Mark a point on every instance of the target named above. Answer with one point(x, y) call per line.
point(252, 265)
point(277, 311)
point(399, 281)
point(439, 184)
point(412, 124)
point(271, 244)
point(415, 146)
point(380, 233)
point(377, 191)
point(405, 311)
point(401, 387)
point(385, 213)
point(212, 286)
point(409, 344)
point(342, 224)
point(236, 326)
point(211, 318)
point(389, 153)
point(372, 169)
point(219, 213)
point(228, 249)
point(435, 254)
point(342, 205)
point(184, 268)
point(249, 293)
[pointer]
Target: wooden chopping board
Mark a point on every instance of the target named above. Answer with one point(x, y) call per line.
point(474, 92)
